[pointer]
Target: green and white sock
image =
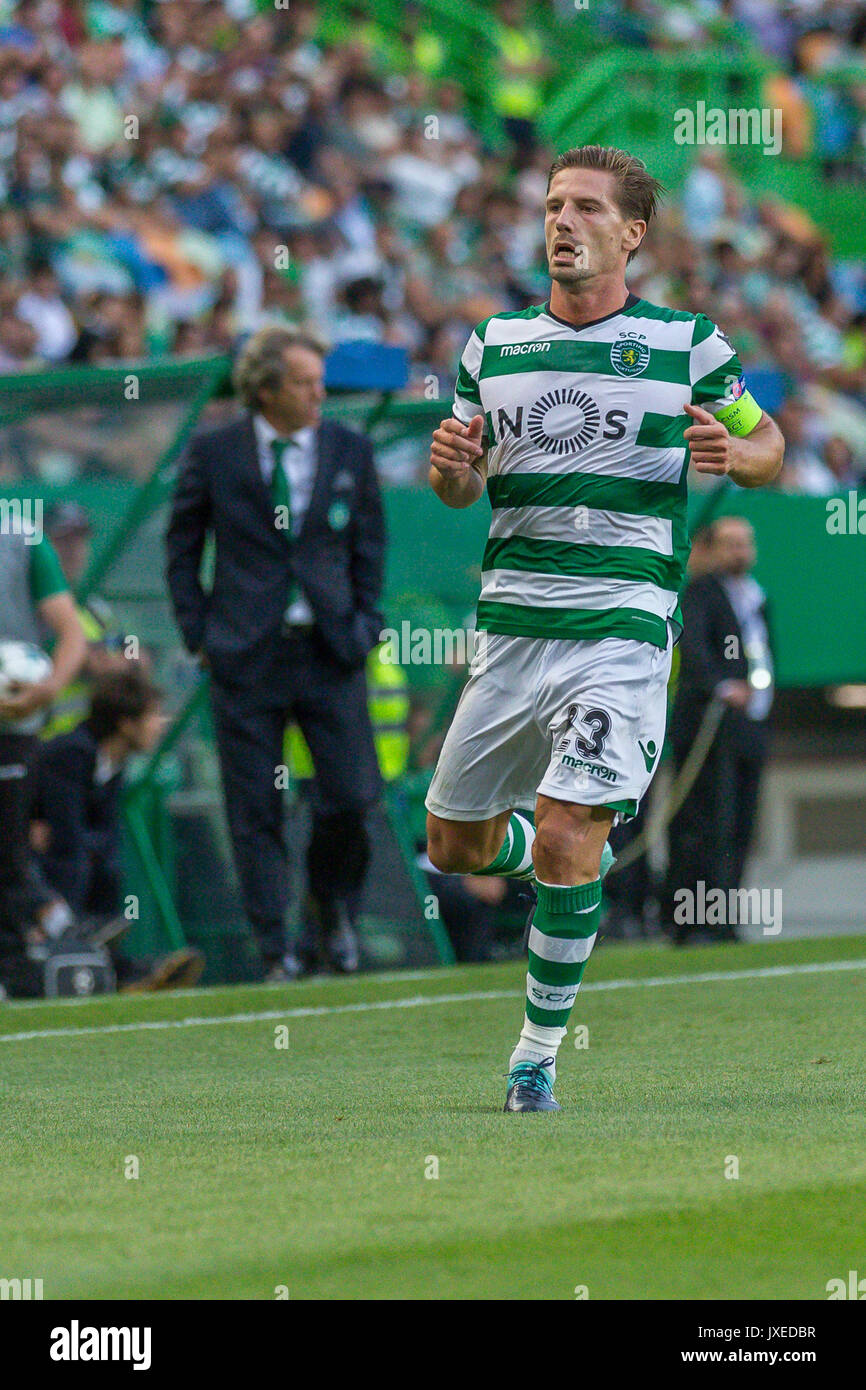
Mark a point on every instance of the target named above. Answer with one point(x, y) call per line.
point(561, 939)
point(514, 860)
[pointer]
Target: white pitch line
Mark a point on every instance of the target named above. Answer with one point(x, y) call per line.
point(384, 977)
point(425, 1000)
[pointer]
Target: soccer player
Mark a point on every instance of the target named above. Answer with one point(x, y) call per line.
point(574, 413)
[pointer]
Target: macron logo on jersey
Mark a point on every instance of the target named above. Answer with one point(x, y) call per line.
point(517, 349)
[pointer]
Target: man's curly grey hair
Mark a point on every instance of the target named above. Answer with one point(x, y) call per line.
point(261, 363)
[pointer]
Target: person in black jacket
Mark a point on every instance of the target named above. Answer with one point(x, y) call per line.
point(292, 502)
point(77, 822)
point(725, 651)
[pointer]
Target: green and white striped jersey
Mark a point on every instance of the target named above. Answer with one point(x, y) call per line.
point(587, 463)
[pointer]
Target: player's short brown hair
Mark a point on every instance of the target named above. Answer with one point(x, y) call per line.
point(637, 192)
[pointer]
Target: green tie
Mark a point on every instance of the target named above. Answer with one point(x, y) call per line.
point(280, 491)
point(282, 497)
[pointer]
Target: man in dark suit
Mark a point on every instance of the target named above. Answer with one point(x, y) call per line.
point(293, 504)
point(725, 651)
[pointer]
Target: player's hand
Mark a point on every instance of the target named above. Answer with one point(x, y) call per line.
point(24, 700)
point(709, 442)
point(456, 446)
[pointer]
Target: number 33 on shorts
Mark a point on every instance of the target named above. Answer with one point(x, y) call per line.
point(606, 750)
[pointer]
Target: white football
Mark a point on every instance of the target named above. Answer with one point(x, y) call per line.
point(22, 664)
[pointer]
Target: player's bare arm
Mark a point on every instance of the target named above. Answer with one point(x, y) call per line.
point(458, 461)
point(750, 460)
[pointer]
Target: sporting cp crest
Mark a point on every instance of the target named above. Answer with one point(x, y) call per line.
point(630, 355)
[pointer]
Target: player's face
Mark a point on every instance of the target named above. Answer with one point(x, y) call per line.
point(297, 402)
point(584, 231)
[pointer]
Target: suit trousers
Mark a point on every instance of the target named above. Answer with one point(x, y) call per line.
point(709, 837)
point(329, 703)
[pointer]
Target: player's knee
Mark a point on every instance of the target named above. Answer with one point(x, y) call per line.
point(449, 850)
point(563, 851)
point(553, 852)
point(440, 847)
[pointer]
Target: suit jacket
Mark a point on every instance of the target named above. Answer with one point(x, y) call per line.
point(337, 558)
point(709, 622)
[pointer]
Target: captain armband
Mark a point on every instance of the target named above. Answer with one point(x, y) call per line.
point(740, 416)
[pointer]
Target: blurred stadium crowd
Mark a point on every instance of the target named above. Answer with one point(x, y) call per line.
point(173, 174)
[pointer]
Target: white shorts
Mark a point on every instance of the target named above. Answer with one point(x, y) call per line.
point(577, 721)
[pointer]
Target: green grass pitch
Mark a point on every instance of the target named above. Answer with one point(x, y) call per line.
point(308, 1168)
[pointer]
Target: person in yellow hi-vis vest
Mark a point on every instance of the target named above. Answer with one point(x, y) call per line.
point(523, 66)
point(69, 530)
point(73, 703)
point(388, 705)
